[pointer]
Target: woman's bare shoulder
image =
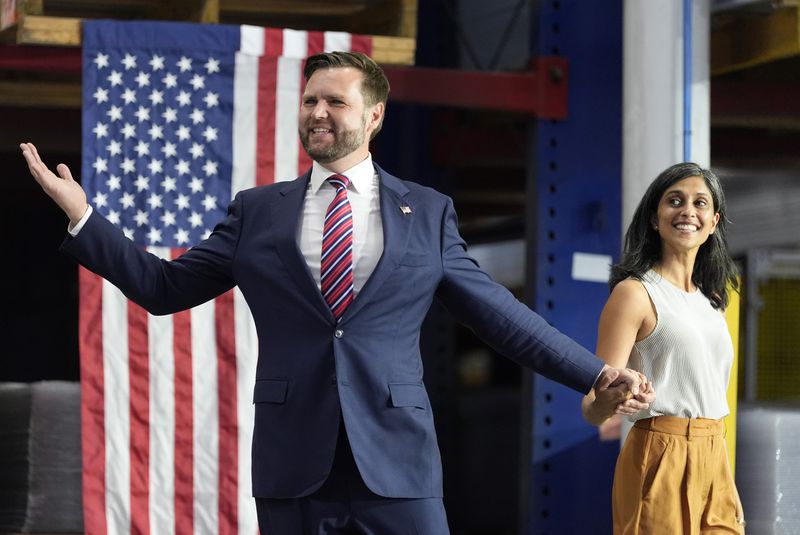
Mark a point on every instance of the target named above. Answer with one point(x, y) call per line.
point(629, 294)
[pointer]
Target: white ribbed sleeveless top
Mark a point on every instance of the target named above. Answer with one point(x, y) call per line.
point(688, 356)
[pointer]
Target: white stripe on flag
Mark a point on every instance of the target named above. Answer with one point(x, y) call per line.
point(245, 136)
point(162, 418)
point(287, 104)
point(251, 40)
point(295, 44)
point(245, 124)
point(117, 409)
point(205, 413)
point(337, 41)
point(246, 360)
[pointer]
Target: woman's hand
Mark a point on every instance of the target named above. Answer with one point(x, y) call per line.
point(639, 402)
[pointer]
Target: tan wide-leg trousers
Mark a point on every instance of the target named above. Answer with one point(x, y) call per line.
point(673, 477)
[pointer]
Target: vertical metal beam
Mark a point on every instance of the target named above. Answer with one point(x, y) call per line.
point(574, 207)
point(687, 80)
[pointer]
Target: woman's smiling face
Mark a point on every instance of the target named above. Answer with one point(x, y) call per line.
point(686, 215)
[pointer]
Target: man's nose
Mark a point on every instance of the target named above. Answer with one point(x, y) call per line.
point(320, 111)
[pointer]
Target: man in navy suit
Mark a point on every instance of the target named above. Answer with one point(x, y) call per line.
point(344, 439)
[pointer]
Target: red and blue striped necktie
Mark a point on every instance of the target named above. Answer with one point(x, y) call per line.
point(336, 263)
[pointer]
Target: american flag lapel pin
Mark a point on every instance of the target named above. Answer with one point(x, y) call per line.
point(405, 209)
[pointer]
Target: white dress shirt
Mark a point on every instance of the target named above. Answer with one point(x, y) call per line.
point(79, 225)
point(364, 196)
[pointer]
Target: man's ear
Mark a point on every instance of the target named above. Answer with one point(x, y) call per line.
point(376, 116)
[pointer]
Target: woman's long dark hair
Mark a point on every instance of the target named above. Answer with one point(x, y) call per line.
point(713, 269)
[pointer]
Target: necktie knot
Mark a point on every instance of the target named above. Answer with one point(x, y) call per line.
point(339, 181)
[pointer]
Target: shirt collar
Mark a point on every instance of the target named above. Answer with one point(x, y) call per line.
point(360, 175)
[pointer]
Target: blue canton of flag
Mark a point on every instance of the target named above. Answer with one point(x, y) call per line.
point(157, 130)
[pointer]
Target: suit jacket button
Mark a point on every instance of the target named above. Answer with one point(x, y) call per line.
point(338, 333)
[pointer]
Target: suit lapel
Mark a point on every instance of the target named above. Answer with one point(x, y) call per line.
point(286, 217)
point(396, 229)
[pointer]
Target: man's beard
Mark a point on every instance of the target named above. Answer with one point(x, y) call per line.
point(343, 144)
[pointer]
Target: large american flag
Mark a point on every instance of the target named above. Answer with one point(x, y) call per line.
point(176, 119)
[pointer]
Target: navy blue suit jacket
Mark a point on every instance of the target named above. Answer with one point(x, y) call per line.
point(367, 369)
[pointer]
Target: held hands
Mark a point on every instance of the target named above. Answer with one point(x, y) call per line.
point(62, 188)
point(619, 391)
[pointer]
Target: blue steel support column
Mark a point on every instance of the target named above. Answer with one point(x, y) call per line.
point(574, 203)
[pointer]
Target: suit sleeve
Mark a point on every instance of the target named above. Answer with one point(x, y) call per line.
point(499, 319)
point(160, 286)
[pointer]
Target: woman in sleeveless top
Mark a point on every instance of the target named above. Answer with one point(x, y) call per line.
point(664, 318)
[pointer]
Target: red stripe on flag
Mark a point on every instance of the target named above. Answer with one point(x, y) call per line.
point(314, 45)
point(265, 137)
point(139, 365)
point(267, 86)
point(228, 421)
point(361, 43)
point(184, 418)
point(273, 42)
point(93, 440)
point(184, 426)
